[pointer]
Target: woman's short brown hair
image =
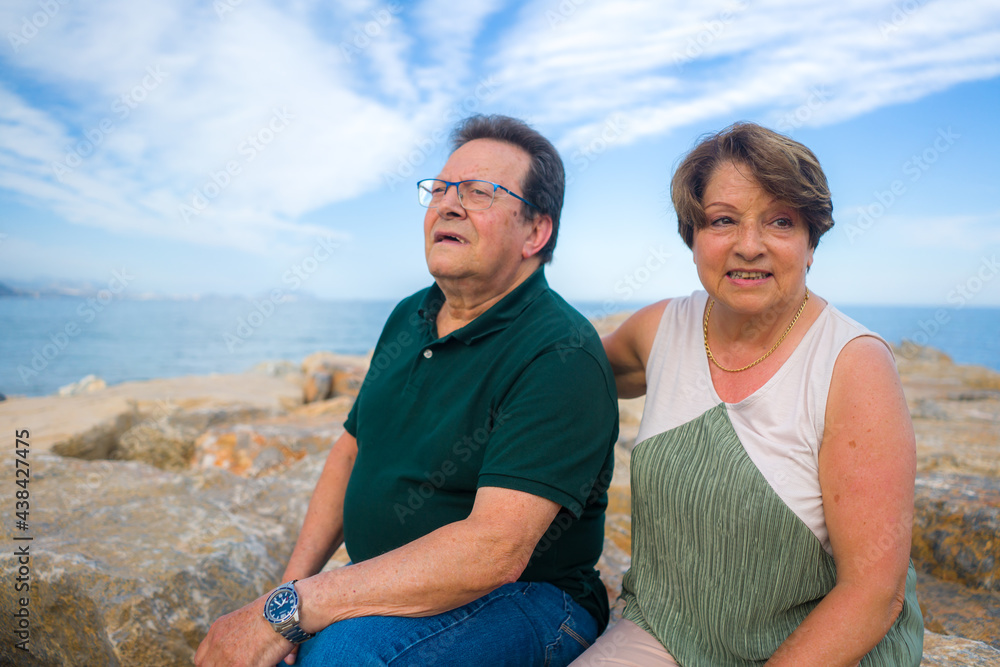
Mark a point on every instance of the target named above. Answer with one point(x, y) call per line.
point(783, 167)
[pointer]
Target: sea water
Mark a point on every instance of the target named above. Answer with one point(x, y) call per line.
point(50, 342)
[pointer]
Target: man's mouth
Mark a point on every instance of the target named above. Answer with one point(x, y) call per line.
point(442, 237)
point(749, 275)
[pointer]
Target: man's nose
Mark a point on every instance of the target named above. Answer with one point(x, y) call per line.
point(450, 205)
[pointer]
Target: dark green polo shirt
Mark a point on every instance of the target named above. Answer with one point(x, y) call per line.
point(521, 398)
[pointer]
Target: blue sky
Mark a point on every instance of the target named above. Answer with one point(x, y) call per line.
point(246, 146)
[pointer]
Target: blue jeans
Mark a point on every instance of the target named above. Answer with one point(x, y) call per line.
point(518, 624)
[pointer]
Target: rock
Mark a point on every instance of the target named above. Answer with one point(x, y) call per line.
point(346, 372)
point(956, 528)
point(617, 554)
point(920, 365)
point(263, 447)
point(913, 353)
point(347, 382)
point(160, 445)
point(57, 419)
point(318, 387)
point(335, 408)
point(978, 395)
point(88, 384)
point(163, 436)
point(955, 412)
point(947, 651)
point(629, 418)
point(280, 368)
point(329, 361)
point(928, 409)
point(99, 441)
point(131, 564)
point(953, 609)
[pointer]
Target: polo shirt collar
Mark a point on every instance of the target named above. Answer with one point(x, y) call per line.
point(497, 317)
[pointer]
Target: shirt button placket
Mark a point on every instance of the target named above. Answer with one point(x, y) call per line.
point(428, 354)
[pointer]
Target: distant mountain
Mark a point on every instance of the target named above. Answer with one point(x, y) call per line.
point(49, 288)
point(37, 292)
point(61, 288)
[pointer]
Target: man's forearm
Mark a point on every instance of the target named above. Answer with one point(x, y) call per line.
point(445, 569)
point(323, 528)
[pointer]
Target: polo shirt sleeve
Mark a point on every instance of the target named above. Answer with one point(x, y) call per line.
point(554, 430)
point(351, 424)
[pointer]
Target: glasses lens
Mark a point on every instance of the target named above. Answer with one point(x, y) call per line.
point(430, 192)
point(476, 195)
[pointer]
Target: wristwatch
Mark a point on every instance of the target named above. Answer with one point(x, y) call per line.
point(281, 610)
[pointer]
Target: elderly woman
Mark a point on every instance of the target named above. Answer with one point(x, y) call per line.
point(772, 482)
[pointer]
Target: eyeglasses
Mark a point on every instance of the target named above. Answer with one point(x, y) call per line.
point(472, 195)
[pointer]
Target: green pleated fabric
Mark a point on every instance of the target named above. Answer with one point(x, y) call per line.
point(722, 569)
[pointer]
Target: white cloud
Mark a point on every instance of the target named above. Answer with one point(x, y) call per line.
point(173, 93)
point(180, 99)
point(730, 60)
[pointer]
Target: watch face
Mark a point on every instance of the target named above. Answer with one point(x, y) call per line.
point(281, 605)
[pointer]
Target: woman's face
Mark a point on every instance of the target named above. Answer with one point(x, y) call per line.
point(753, 253)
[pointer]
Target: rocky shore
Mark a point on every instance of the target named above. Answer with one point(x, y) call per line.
point(156, 507)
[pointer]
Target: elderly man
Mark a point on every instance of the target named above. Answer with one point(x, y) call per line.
point(470, 484)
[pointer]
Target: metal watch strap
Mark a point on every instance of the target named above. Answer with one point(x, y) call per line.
point(295, 634)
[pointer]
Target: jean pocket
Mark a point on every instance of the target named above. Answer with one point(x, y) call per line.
point(574, 635)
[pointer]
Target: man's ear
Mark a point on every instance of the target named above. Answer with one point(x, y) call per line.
point(541, 232)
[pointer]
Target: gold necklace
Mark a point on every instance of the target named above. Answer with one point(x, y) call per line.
point(711, 357)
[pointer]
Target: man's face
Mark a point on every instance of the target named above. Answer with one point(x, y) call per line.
point(482, 247)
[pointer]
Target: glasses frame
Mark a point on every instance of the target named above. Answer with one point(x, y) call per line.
point(448, 184)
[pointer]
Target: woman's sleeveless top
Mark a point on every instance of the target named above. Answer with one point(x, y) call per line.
point(730, 550)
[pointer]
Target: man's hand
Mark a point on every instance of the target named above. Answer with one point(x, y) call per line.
point(242, 637)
